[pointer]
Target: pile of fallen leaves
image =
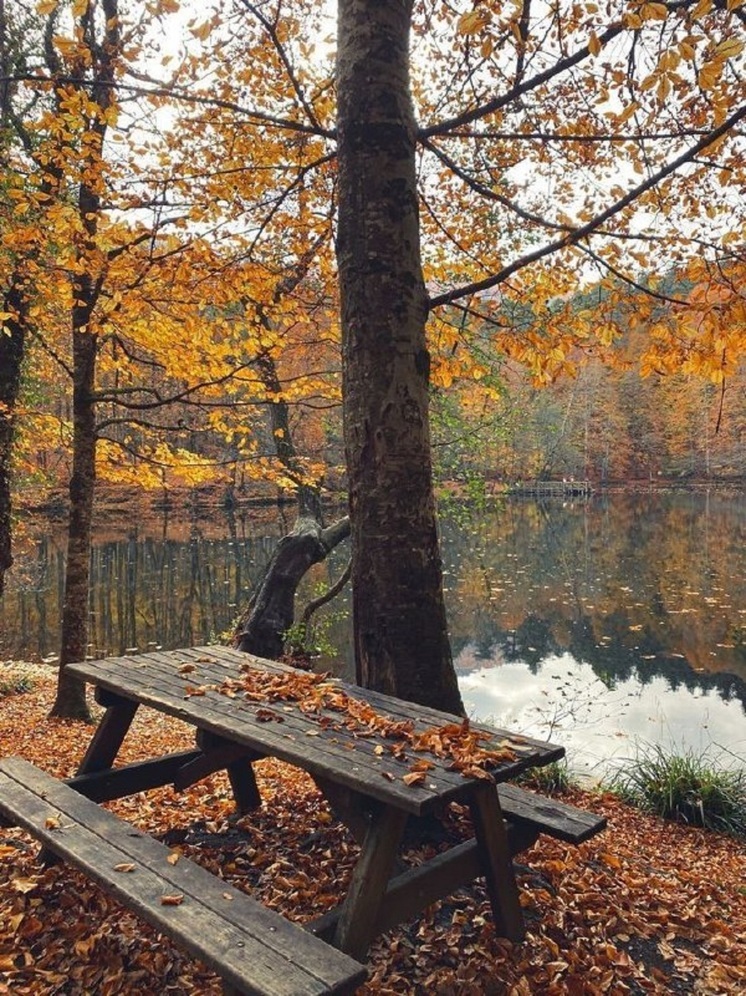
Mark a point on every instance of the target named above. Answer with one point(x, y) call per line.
point(645, 907)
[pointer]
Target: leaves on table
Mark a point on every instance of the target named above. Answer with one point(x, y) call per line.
point(470, 750)
point(646, 907)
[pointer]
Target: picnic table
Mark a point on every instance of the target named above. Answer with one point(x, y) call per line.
point(380, 761)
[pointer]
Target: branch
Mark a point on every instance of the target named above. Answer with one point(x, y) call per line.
point(520, 88)
point(317, 603)
point(573, 237)
point(492, 195)
point(282, 55)
point(630, 281)
point(196, 100)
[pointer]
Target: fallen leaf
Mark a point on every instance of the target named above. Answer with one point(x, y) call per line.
point(175, 900)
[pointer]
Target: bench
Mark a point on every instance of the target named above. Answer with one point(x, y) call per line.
point(531, 814)
point(253, 949)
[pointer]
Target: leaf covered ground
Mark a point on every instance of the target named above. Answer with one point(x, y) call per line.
point(645, 907)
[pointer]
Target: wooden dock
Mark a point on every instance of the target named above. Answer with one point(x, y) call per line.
point(552, 489)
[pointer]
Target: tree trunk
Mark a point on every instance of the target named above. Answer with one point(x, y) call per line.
point(12, 343)
point(87, 284)
point(271, 611)
point(401, 638)
point(70, 701)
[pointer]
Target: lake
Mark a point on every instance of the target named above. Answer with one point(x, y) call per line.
point(602, 624)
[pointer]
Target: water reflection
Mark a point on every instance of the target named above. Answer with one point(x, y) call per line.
point(642, 598)
point(564, 700)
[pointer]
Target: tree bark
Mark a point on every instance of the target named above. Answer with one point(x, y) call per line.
point(87, 283)
point(272, 608)
point(70, 701)
point(12, 344)
point(401, 638)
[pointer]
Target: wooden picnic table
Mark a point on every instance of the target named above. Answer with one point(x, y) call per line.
point(379, 760)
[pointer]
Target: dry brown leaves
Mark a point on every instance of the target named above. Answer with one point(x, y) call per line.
point(646, 907)
point(469, 750)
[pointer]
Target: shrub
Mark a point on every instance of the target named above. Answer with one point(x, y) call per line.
point(685, 787)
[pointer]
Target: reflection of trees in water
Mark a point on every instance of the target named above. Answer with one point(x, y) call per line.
point(644, 586)
point(144, 591)
point(611, 662)
point(605, 581)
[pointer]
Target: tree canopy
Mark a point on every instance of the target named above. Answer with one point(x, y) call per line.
point(462, 169)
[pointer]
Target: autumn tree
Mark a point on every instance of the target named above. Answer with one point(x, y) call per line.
point(466, 157)
point(134, 255)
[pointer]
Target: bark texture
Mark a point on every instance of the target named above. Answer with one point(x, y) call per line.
point(271, 611)
point(87, 284)
point(12, 343)
point(401, 638)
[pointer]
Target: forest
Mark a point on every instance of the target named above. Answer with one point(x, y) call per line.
point(256, 246)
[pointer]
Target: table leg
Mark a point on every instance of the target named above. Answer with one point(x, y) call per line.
point(240, 772)
point(110, 733)
point(496, 861)
point(357, 923)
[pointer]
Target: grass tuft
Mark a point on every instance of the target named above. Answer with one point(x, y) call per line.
point(687, 788)
point(15, 685)
point(552, 779)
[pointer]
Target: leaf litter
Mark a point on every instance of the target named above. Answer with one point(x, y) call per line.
point(645, 907)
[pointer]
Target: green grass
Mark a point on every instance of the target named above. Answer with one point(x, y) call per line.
point(553, 779)
point(15, 685)
point(687, 788)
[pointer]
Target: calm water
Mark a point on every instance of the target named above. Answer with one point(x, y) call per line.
point(601, 624)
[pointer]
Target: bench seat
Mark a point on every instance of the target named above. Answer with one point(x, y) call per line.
point(253, 949)
point(540, 814)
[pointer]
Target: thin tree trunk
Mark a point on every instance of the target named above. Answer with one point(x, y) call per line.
point(12, 344)
point(71, 701)
point(87, 283)
point(401, 638)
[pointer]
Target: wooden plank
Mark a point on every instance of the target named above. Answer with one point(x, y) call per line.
point(300, 741)
point(238, 767)
point(115, 783)
point(495, 860)
point(252, 948)
point(411, 892)
point(357, 924)
point(108, 738)
point(550, 816)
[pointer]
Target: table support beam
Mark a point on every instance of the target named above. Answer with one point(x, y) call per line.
point(110, 733)
point(357, 924)
point(237, 765)
point(495, 861)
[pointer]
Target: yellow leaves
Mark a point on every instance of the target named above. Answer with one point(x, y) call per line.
point(594, 44)
point(653, 12)
point(729, 48)
point(711, 72)
point(628, 112)
point(473, 22)
point(202, 31)
point(46, 7)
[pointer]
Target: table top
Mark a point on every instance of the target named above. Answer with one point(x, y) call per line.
point(397, 752)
